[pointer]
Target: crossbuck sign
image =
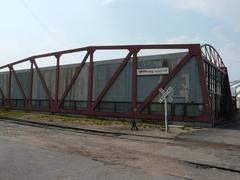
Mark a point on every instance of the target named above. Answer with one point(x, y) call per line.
point(166, 96)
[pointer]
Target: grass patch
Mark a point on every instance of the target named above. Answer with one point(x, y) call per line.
point(14, 114)
point(84, 121)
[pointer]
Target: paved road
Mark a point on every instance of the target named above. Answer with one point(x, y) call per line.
point(29, 153)
point(226, 134)
point(21, 161)
point(25, 162)
point(234, 125)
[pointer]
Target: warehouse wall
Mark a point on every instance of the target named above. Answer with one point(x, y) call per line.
point(121, 89)
point(4, 82)
point(103, 70)
point(187, 93)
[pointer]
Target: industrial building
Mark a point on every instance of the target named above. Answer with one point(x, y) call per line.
point(125, 88)
point(235, 89)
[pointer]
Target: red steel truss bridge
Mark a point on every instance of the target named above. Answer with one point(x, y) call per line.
point(203, 54)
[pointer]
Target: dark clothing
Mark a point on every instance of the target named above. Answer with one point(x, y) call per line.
point(134, 125)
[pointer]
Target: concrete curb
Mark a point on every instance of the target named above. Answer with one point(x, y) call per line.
point(68, 127)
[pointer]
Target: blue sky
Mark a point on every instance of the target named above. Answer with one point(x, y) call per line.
point(30, 27)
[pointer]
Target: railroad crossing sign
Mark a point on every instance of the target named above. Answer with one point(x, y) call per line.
point(166, 96)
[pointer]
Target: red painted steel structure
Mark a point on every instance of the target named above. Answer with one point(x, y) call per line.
point(206, 52)
point(211, 55)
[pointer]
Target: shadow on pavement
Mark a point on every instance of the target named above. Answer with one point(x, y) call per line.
point(234, 124)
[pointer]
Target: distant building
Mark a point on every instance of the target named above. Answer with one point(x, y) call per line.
point(235, 89)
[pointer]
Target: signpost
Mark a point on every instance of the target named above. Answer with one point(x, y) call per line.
point(166, 96)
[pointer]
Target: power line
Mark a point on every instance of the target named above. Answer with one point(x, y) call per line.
point(44, 26)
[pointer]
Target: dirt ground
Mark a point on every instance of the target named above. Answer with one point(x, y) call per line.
point(183, 155)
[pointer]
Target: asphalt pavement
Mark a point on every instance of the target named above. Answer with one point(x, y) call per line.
point(29, 153)
point(20, 161)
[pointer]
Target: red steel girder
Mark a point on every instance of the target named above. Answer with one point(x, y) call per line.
point(202, 78)
point(30, 85)
point(134, 81)
point(90, 82)
point(118, 47)
point(19, 84)
point(74, 78)
point(43, 82)
point(211, 54)
point(194, 51)
point(112, 80)
point(57, 80)
point(9, 85)
point(2, 94)
point(164, 82)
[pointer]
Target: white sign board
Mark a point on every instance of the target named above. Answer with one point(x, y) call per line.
point(155, 71)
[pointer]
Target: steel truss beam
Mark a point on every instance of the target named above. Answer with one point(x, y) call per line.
point(2, 94)
point(211, 54)
point(206, 52)
point(112, 80)
point(74, 78)
point(19, 84)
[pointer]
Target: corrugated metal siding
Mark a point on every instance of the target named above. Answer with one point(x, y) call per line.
point(103, 71)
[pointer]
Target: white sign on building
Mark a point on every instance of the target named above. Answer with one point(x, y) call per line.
point(155, 71)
